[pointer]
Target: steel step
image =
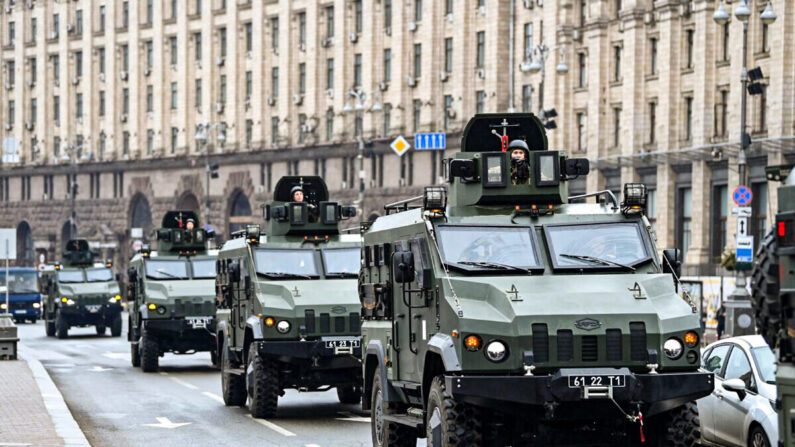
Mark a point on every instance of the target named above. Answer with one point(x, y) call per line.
point(404, 419)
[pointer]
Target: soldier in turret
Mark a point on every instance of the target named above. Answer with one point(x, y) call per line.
point(520, 168)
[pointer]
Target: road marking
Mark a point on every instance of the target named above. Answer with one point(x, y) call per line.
point(163, 422)
point(117, 355)
point(184, 383)
point(99, 369)
point(272, 426)
point(214, 397)
point(312, 445)
point(163, 373)
point(350, 417)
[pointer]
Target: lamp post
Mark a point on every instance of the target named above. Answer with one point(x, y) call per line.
point(360, 98)
point(73, 153)
point(202, 138)
point(738, 319)
point(538, 63)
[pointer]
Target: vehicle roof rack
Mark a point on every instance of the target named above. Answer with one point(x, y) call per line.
point(403, 205)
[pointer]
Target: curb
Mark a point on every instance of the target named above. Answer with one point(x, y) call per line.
point(65, 425)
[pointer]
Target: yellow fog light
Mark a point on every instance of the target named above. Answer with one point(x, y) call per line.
point(118, 297)
point(691, 339)
point(152, 306)
point(270, 322)
point(472, 343)
point(64, 299)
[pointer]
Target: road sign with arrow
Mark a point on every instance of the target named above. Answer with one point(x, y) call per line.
point(163, 422)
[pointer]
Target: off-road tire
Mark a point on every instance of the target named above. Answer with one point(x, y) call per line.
point(765, 289)
point(349, 394)
point(33, 320)
point(262, 377)
point(459, 424)
point(101, 329)
point(61, 327)
point(150, 353)
point(233, 386)
point(214, 359)
point(135, 355)
point(680, 427)
point(758, 437)
point(384, 433)
point(49, 327)
point(115, 326)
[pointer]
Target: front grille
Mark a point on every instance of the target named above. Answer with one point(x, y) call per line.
point(354, 321)
point(323, 324)
point(565, 346)
point(339, 324)
point(540, 342)
point(190, 308)
point(88, 300)
point(613, 341)
point(590, 348)
point(637, 341)
point(309, 320)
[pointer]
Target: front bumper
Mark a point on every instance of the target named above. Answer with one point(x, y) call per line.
point(655, 392)
point(23, 312)
point(90, 314)
point(178, 335)
point(310, 349)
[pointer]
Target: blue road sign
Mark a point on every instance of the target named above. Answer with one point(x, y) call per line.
point(744, 251)
point(742, 196)
point(435, 141)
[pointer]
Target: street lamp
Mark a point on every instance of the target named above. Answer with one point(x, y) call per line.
point(360, 99)
point(73, 153)
point(537, 64)
point(210, 171)
point(740, 298)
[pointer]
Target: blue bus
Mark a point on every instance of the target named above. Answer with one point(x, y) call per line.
point(24, 297)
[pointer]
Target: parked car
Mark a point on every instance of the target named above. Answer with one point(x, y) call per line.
point(741, 410)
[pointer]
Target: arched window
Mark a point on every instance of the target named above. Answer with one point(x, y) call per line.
point(24, 245)
point(140, 214)
point(188, 202)
point(239, 212)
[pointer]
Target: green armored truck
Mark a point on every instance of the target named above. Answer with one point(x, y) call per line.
point(171, 293)
point(288, 314)
point(79, 292)
point(497, 313)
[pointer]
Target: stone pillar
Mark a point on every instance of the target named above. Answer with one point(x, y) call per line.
point(666, 202)
point(699, 251)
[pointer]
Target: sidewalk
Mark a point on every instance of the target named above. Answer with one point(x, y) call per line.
point(32, 410)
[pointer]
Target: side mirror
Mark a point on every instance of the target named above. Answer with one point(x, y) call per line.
point(575, 167)
point(735, 385)
point(247, 283)
point(348, 212)
point(118, 277)
point(234, 271)
point(132, 274)
point(403, 267)
point(672, 261)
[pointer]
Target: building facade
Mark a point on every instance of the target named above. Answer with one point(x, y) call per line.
point(109, 93)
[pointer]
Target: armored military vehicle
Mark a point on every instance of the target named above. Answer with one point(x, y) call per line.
point(773, 297)
point(79, 292)
point(170, 293)
point(497, 313)
point(288, 312)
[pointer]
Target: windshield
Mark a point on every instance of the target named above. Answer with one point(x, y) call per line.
point(177, 269)
point(765, 363)
point(70, 276)
point(488, 246)
point(21, 282)
point(203, 268)
point(585, 246)
point(342, 261)
point(98, 275)
point(286, 263)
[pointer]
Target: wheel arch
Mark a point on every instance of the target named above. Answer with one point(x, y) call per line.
point(374, 358)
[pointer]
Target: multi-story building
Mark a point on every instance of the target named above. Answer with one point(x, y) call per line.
point(110, 92)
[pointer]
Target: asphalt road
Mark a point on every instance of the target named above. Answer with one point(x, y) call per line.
point(118, 405)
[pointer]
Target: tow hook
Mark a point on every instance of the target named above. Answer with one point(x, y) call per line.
point(635, 419)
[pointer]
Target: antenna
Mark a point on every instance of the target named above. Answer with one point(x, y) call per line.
point(504, 137)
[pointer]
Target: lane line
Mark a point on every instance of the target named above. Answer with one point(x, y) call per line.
point(272, 426)
point(214, 397)
point(184, 383)
point(312, 445)
point(163, 373)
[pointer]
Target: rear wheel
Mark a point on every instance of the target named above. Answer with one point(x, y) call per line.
point(680, 427)
point(233, 386)
point(765, 290)
point(150, 352)
point(349, 394)
point(61, 326)
point(262, 383)
point(115, 326)
point(385, 433)
point(449, 423)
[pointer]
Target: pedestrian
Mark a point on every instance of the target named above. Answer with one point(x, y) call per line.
point(721, 317)
point(520, 167)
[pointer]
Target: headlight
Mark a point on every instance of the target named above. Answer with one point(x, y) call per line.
point(283, 327)
point(161, 310)
point(112, 300)
point(70, 302)
point(673, 348)
point(36, 305)
point(496, 351)
point(2, 305)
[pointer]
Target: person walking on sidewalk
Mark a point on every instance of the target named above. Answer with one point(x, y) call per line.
point(721, 317)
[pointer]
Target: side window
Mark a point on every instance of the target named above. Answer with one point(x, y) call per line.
point(740, 368)
point(717, 357)
point(421, 262)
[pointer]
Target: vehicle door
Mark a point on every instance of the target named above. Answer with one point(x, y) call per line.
point(411, 310)
point(237, 320)
point(714, 362)
point(730, 412)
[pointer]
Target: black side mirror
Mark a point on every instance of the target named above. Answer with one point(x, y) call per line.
point(247, 283)
point(575, 167)
point(132, 274)
point(118, 277)
point(672, 261)
point(348, 212)
point(403, 267)
point(234, 271)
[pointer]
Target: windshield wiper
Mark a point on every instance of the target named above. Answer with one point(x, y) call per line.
point(598, 261)
point(286, 275)
point(494, 265)
point(342, 275)
point(170, 275)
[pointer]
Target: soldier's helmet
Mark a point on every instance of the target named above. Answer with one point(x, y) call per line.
point(294, 190)
point(519, 144)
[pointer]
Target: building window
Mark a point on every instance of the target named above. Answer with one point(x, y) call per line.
point(222, 90)
point(197, 39)
point(416, 113)
point(329, 125)
point(481, 49)
point(329, 21)
point(387, 16)
point(762, 116)
point(527, 98)
point(651, 207)
point(684, 227)
point(726, 48)
point(198, 88)
point(617, 50)
point(56, 28)
point(275, 130)
point(448, 106)
point(11, 72)
point(358, 125)
point(618, 7)
point(249, 132)
point(33, 109)
point(302, 28)
point(653, 55)
point(174, 9)
point(358, 16)
point(174, 139)
point(34, 29)
point(583, 12)
point(480, 101)
point(125, 143)
point(150, 54)
point(418, 10)
point(275, 82)
point(79, 63)
point(357, 70)
point(79, 108)
point(79, 22)
point(721, 113)
point(150, 99)
point(275, 34)
point(387, 118)
point(582, 70)
point(759, 207)
point(581, 132)
point(417, 60)
point(764, 40)
point(125, 103)
point(448, 7)
point(249, 87)
point(448, 54)
point(688, 118)
point(222, 39)
point(150, 141)
point(102, 103)
point(689, 42)
point(329, 74)
point(249, 37)
point(173, 44)
point(103, 143)
point(125, 58)
point(56, 108)
point(528, 41)
point(720, 208)
point(149, 12)
point(616, 126)
point(11, 110)
point(12, 33)
point(387, 65)
point(652, 122)
point(56, 68)
point(173, 96)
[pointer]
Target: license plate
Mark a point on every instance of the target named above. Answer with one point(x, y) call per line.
point(198, 322)
point(93, 308)
point(616, 380)
point(349, 343)
point(20, 311)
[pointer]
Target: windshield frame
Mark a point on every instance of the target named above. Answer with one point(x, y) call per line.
point(338, 275)
point(81, 272)
point(98, 269)
point(319, 269)
point(540, 267)
point(167, 277)
point(21, 273)
point(192, 270)
point(593, 266)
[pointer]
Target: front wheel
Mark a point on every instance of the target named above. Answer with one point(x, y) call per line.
point(386, 433)
point(150, 353)
point(61, 326)
point(33, 320)
point(680, 427)
point(101, 329)
point(449, 423)
point(135, 355)
point(758, 438)
point(233, 386)
point(262, 384)
point(115, 326)
point(349, 394)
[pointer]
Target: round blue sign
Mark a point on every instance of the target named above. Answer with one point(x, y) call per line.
point(742, 196)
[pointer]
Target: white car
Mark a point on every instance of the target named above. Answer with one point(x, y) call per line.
point(741, 409)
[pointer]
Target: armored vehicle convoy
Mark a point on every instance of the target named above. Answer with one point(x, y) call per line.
point(288, 313)
point(500, 314)
point(171, 293)
point(79, 292)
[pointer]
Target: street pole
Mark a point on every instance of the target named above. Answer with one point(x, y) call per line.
point(72, 191)
point(361, 174)
point(206, 184)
